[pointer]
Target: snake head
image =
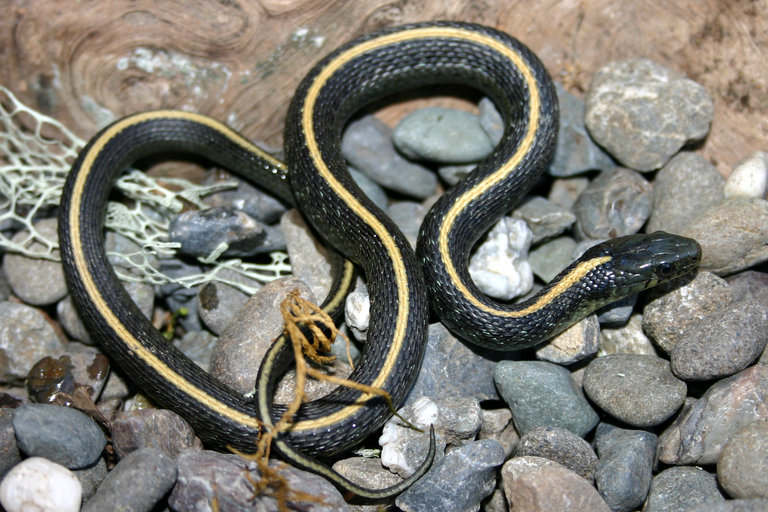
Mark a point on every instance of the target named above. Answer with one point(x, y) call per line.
point(638, 262)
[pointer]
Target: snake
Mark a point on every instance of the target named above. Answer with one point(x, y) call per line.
point(403, 283)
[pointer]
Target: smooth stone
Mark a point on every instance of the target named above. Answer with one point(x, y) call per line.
point(498, 265)
point(490, 120)
point(686, 186)
point(562, 446)
point(285, 390)
point(702, 428)
point(626, 339)
point(90, 478)
point(549, 258)
point(497, 424)
point(749, 284)
point(205, 476)
point(543, 394)
point(367, 146)
point(733, 235)
point(200, 233)
point(245, 197)
point(637, 389)
point(451, 369)
point(742, 469)
point(198, 346)
point(136, 484)
point(749, 178)
point(218, 301)
point(408, 216)
point(452, 174)
point(747, 505)
point(574, 344)
point(9, 450)
point(61, 434)
point(442, 135)
point(153, 428)
point(366, 471)
point(39, 485)
point(370, 188)
point(643, 113)
point(457, 482)
point(309, 257)
point(26, 336)
point(237, 356)
point(75, 378)
point(544, 218)
point(553, 487)
point(625, 467)
point(666, 318)
point(564, 192)
point(680, 488)
point(723, 342)
point(35, 281)
point(616, 203)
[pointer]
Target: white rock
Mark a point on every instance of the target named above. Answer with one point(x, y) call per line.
point(357, 313)
point(39, 485)
point(499, 266)
point(749, 178)
point(396, 438)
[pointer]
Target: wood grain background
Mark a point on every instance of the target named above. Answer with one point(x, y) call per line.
point(86, 62)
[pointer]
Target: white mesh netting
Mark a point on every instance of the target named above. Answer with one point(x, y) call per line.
point(36, 152)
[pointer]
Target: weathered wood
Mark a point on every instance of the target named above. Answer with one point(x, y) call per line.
point(89, 61)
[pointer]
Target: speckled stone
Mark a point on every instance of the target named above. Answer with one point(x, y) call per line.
point(152, 428)
point(549, 258)
point(545, 218)
point(309, 257)
point(637, 389)
point(680, 488)
point(742, 469)
point(562, 446)
point(575, 344)
point(26, 336)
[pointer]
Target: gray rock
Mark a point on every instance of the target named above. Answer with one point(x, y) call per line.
point(551, 487)
point(543, 394)
point(551, 257)
point(198, 346)
point(491, 120)
point(733, 235)
point(366, 471)
point(25, 337)
point(497, 424)
point(748, 505)
point(408, 216)
point(457, 482)
point(178, 297)
point(205, 476)
point(749, 284)
point(9, 450)
point(370, 188)
point(627, 339)
point(637, 389)
point(544, 218)
point(367, 146)
point(35, 281)
point(623, 473)
point(616, 203)
point(680, 488)
point(309, 257)
point(562, 446)
point(236, 358)
point(564, 192)
point(642, 113)
point(152, 428)
point(742, 469)
point(575, 151)
point(136, 484)
point(452, 174)
point(575, 344)
point(245, 197)
point(666, 318)
point(722, 343)
point(285, 390)
point(686, 186)
point(442, 135)
point(60, 434)
point(91, 478)
point(217, 301)
point(702, 428)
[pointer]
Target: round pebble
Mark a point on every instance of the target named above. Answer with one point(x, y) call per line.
point(26, 336)
point(742, 469)
point(561, 446)
point(245, 197)
point(551, 257)
point(637, 389)
point(62, 434)
point(553, 487)
point(543, 394)
point(643, 135)
point(39, 485)
point(682, 487)
point(749, 178)
point(442, 135)
point(152, 428)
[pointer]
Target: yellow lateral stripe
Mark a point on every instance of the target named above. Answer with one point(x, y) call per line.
point(394, 253)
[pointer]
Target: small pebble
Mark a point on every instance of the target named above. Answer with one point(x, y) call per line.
point(490, 120)
point(9, 451)
point(91, 477)
point(404, 449)
point(68, 379)
point(309, 257)
point(564, 192)
point(552, 487)
point(39, 485)
point(497, 424)
point(626, 339)
point(136, 484)
point(742, 469)
point(285, 390)
point(733, 235)
point(575, 152)
point(367, 146)
point(26, 336)
point(498, 266)
point(543, 394)
point(637, 389)
point(686, 186)
point(370, 188)
point(241, 347)
point(366, 471)
point(551, 257)
point(643, 113)
point(680, 488)
point(452, 174)
point(561, 446)
point(457, 482)
point(35, 281)
point(723, 342)
point(152, 428)
point(178, 297)
point(575, 344)
point(206, 476)
point(198, 346)
point(624, 470)
point(218, 301)
point(245, 197)
point(750, 284)
point(702, 428)
point(408, 216)
point(357, 313)
point(61, 434)
point(616, 203)
point(753, 505)
point(442, 135)
point(544, 218)
point(749, 178)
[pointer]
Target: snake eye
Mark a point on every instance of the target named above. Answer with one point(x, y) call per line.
point(666, 270)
